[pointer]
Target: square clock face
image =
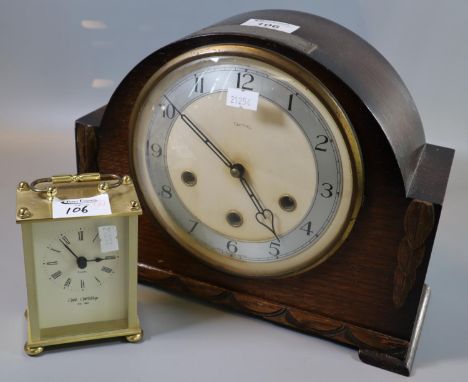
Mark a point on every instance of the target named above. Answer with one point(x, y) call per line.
point(80, 277)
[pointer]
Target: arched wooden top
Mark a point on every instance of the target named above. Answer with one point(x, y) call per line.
point(361, 67)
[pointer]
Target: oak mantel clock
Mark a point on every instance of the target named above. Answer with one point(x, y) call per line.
point(284, 173)
point(80, 237)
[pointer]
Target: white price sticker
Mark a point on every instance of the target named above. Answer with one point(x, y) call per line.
point(72, 208)
point(270, 24)
point(244, 99)
point(108, 238)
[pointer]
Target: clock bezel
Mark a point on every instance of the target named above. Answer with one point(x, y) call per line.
point(312, 83)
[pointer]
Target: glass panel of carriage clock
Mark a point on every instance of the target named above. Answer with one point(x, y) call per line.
point(80, 272)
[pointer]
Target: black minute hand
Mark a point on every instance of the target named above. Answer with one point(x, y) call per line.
point(264, 216)
point(80, 260)
point(202, 136)
point(68, 248)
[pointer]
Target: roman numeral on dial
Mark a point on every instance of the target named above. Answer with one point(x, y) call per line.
point(56, 275)
point(67, 283)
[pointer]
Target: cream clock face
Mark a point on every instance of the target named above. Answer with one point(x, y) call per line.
point(244, 164)
point(84, 267)
point(80, 270)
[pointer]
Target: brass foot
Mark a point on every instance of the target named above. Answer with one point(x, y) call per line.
point(135, 337)
point(33, 350)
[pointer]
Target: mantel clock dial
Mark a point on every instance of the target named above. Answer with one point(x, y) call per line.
point(284, 173)
point(268, 190)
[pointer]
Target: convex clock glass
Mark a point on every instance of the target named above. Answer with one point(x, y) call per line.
point(262, 189)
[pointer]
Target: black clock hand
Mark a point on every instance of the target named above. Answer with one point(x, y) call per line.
point(81, 261)
point(68, 248)
point(98, 259)
point(263, 216)
point(200, 134)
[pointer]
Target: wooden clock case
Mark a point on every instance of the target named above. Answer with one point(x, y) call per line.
point(371, 294)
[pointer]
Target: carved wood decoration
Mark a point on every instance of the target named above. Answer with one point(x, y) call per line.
point(298, 319)
point(419, 223)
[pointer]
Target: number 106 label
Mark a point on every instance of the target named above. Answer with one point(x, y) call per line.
point(72, 208)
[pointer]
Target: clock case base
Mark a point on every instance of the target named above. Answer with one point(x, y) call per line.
point(370, 295)
point(34, 348)
point(395, 364)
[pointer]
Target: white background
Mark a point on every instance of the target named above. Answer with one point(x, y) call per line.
point(54, 70)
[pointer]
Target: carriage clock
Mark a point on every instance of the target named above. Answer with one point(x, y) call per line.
point(80, 237)
point(283, 173)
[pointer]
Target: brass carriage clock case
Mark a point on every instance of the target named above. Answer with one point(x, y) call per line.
point(81, 282)
point(365, 286)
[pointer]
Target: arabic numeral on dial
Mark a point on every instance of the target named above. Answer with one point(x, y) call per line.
point(232, 246)
point(194, 225)
point(274, 249)
point(290, 102)
point(323, 140)
point(327, 191)
point(156, 150)
point(243, 80)
point(307, 228)
point(166, 192)
point(168, 110)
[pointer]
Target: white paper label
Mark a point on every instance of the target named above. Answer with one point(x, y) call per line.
point(270, 24)
point(108, 238)
point(72, 208)
point(244, 99)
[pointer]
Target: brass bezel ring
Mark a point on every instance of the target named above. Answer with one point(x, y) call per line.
point(311, 82)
